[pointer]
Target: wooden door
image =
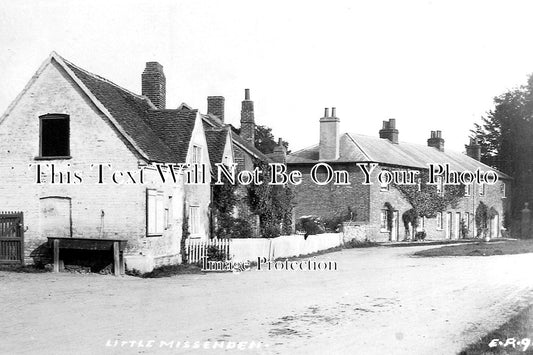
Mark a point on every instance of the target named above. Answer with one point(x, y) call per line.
point(11, 237)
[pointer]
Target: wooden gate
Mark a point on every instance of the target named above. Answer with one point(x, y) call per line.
point(11, 237)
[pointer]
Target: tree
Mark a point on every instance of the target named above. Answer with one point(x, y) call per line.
point(506, 137)
point(264, 139)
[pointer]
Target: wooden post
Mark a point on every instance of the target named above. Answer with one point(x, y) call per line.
point(525, 222)
point(56, 255)
point(116, 258)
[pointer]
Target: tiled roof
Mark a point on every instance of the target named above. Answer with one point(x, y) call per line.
point(216, 142)
point(163, 135)
point(175, 128)
point(361, 148)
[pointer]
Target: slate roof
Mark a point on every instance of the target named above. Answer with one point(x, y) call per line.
point(362, 148)
point(216, 142)
point(163, 135)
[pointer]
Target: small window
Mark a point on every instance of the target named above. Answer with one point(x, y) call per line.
point(55, 136)
point(440, 188)
point(384, 225)
point(384, 186)
point(502, 187)
point(468, 189)
point(481, 189)
point(156, 213)
point(194, 219)
point(439, 220)
point(196, 154)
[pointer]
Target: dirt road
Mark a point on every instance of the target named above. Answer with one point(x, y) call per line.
point(379, 301)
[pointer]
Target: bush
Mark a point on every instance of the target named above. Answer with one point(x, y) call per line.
point(215, 254)
point(234, 228)
point(421, 235)
point(310, 225)
point(354, 243)
point(271, 231)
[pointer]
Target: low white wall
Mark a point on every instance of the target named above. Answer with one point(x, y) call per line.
point(282, 247)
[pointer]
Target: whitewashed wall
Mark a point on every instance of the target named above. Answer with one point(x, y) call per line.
point(282, 247)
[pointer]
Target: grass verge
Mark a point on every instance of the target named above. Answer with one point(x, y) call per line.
point(511, 338)
point(502, 247)
point(28, 269)
point(168, 270)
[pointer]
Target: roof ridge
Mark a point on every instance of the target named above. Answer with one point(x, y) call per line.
point(298, 151)
point(101, 78)
point(358, 146)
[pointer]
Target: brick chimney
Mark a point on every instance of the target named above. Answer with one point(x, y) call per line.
point(389, 131)
point(154, 84)
point(247, 118)
point(280, 153)
point(436, 140)
point(473, 150)
point(215, 106)
point(328, 148)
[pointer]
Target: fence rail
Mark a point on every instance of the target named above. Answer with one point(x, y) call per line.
point(197, 249)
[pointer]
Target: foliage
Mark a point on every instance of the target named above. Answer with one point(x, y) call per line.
point(230, 227)
point(481, 218)
point(184, 235)
point(390, 214)
point(273, 204)
point(506, 138)
point(215, 254)
point(463, 229)
point(410, 217)
point(334, 222)
point(354, 243)
point(264, 140)
point(421, 235)
point(425, 199)
point(310, 225)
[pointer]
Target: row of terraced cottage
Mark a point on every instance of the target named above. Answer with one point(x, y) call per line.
point(68, 119)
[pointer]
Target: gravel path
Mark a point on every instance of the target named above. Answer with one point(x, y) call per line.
point(379, 301)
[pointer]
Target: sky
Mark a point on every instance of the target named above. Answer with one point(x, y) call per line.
point(432, 65)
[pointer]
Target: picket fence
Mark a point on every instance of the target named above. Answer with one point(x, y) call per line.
point(197, 249)
point(252, 248)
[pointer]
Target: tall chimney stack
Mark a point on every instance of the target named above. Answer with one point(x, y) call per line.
point(247, 118)
point(389, 131)
point(215, 106)
point(154, 84)
point(328, 148)
point(473, 150)
point(436, 140)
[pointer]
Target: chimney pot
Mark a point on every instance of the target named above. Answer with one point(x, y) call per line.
point(392, 123)
point(436, 140)
point(247, 94)
point(326, 112)
point(333, 112)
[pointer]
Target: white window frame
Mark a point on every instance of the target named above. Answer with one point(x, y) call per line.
point(195, 224)
point(440, 186)
point(196, 157)
point(439, 220)
point(383, 225)
point(482, 189)
point(155, 212)
point(468, 190)
point(503, 190)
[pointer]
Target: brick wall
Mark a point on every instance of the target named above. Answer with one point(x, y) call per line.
point(368, 201)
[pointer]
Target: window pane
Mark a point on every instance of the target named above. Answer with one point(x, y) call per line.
point(55, 137)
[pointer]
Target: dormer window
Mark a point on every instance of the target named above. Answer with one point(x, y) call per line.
point(54, 136)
